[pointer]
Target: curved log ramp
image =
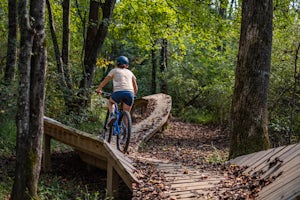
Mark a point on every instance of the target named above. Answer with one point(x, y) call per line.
point(158, 108)
point(282, 165)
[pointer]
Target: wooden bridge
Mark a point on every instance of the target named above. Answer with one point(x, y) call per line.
point(282, 163)
point(97, 152)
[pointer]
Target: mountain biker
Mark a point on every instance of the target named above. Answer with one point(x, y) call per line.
point(124, 87)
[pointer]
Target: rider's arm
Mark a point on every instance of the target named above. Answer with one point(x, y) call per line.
point(135, 86)
point(103, 83)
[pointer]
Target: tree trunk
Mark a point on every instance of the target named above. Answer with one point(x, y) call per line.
point(59, 62)
point(66, 42)
point(32, 67)
point(249, 104)
point(62, 62)
point(154, 67)
point(94, 41)
point(163, 66)
point(11, 56)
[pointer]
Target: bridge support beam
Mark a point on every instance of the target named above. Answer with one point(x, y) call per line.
point(47, 153)
point(113, 181)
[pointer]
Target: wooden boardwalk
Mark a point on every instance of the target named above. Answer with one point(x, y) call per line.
point(188, 183)
point(281, 164)
point(93, 151)
point(97, 152)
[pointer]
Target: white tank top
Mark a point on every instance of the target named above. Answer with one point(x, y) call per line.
point(122, 79)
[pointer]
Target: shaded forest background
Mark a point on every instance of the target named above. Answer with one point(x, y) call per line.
point(184, 48)
point(187, 49)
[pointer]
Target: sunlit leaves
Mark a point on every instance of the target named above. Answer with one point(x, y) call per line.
point(102, 62)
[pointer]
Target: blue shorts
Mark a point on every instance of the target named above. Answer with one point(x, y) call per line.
point(126, 97)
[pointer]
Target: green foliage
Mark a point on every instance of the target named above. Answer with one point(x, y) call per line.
point(59, 188)
point(8, 128)
point(284, 97)
point(6, 182)
point(3, 32)
point(191, 114)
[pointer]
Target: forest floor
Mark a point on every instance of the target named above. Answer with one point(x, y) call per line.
point(204, 148)
point(198, 146)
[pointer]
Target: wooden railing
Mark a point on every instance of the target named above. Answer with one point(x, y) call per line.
point(93, 151)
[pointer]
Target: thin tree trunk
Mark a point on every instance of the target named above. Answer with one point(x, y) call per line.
point(62, 61)
point(154, 67)
point(163, 66)
point(32, 67)
point(249, 105)
point(94, 41)
point(59, 62)
point(11, 56)
point(66, 42)
point(294, 95)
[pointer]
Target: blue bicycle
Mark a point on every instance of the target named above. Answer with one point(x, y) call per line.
point(121, 128)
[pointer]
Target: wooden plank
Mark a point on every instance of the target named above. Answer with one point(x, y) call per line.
point(287, 188)
point(264, 163)
point(191, 181)
point(286, 177)
point(258, 158)
point(190, 175)
point(283, 163)
point(127, 176)
point(194, 185)
point(113, 180)
point(75, 138)
point(195, 194)
point(289, 161)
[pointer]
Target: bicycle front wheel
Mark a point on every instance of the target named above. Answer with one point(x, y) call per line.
point(123, 138)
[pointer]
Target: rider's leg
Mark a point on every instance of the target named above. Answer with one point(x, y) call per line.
point(126, 107)
point(112, 116)
point(111, 105)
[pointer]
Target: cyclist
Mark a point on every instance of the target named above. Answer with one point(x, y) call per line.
point(124, 87)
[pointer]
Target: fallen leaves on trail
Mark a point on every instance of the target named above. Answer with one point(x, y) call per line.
point(204, 148)
point(237, 184)
point(152, 185)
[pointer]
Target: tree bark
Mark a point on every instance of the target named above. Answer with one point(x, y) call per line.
point(249, 104)
point(32, 67)
point(163, 66)
point(66, 42)
point(11, 56)
point(59, 62)
point(154, 67)
point(62, 61)
point(96, 33)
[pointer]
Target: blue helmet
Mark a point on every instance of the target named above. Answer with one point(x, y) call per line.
point(122, 60)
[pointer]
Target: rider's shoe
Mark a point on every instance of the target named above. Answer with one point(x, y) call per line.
point(112, 118)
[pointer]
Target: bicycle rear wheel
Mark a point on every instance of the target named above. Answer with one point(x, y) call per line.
point(123, 138)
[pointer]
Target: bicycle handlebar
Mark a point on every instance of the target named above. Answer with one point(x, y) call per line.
point(105, 94)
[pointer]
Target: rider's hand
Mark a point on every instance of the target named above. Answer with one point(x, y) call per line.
point(99, 91)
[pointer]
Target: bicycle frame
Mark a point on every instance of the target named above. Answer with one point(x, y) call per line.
point(120, 129)
point(116, 125)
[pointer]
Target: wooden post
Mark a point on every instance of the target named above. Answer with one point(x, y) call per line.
point(47, 153)
point(113, 180)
